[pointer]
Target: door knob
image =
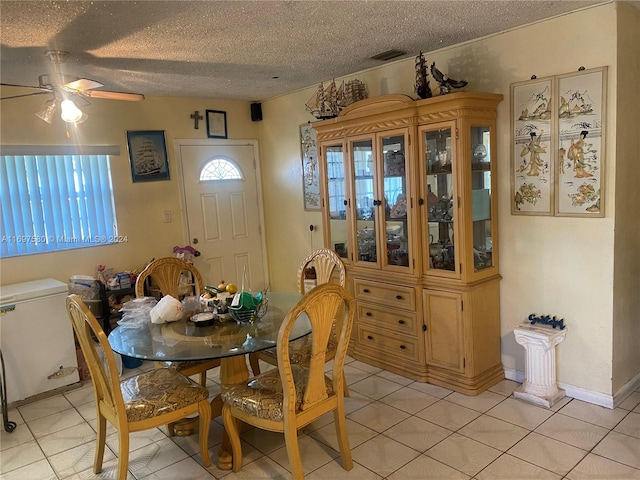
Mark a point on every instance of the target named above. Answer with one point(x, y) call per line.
point(195, 241)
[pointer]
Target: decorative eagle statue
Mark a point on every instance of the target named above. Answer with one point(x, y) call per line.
point(446, 83)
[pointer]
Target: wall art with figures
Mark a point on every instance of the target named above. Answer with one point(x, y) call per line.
point(310, 180)
point(558, 144)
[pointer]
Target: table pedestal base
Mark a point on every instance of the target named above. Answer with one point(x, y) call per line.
point(232, 370)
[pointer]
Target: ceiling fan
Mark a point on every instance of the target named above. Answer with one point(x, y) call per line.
point(65, 89)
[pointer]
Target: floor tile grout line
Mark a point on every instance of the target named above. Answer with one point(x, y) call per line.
point(419, 453)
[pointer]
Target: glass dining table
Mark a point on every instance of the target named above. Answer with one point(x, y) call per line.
point(228, 341)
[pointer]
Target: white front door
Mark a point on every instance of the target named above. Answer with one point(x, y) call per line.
point(222, 199)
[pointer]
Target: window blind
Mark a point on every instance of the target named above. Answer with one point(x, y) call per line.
point(55, 202)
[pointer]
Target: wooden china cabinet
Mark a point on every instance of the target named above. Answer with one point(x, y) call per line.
point(408, 204)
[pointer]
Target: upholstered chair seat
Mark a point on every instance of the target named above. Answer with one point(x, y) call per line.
point(263, 396)
point(300, 352)
point(157, 392)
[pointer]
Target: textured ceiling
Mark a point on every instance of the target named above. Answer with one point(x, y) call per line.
point(249, 50)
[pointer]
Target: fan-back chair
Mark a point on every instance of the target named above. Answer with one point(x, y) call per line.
point(165, 273)
point(292, 396)
point(325, 262)
point(144, 401)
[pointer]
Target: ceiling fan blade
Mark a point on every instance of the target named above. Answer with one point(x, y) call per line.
point(25, 95)
point(129, 97)
point(82, 84)
point(23, 86)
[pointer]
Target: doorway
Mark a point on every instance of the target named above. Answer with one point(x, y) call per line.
point(223, 211)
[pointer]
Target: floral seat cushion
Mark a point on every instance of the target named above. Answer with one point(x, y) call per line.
point(300, 350)
point(262, 396)
point(157, 392)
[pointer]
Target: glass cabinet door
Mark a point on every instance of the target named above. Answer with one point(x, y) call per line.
point(395, 197)
point(440, 200)
point(337, 199)
point(481, 198)
point(363, 165)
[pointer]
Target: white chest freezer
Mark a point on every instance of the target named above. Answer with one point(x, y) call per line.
point(36, 338)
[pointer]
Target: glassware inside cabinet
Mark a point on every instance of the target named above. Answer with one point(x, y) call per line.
point(364, 195)
point(395, 198)
point(440, 195)
point(481, 197)
point(336, 186)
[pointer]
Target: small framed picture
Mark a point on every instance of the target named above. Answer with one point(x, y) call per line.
point(216, 124)
point(148, 155)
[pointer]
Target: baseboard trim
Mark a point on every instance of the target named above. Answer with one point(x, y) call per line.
point(589, 396)
point(626, 390)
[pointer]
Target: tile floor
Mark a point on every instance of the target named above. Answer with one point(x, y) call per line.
point(398, 430)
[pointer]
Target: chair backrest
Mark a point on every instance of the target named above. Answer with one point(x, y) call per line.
point(325, 261)
point(325, 305)
point(98, 355)
point(165, 274)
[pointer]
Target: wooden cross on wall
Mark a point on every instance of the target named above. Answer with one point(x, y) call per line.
point(196, 118)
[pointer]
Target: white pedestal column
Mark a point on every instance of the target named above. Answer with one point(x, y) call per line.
point(540, 386)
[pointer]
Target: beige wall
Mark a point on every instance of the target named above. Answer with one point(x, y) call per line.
point(626, 300)
point(139, 206)
point(558, 266)
point(550, 265)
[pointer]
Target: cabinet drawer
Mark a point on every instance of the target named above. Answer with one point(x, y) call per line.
point(392, 319)
point(395, 296)
point(398, 345)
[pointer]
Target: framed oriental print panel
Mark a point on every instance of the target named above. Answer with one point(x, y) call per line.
point(309, 154)
point(580, 149)
point(557, 149)
point(532, 121)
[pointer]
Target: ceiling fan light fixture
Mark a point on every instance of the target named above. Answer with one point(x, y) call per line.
point(82, 119)
point(47, 111)
point(70, 113)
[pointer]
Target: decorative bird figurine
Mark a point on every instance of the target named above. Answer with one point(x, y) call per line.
point(446, 83)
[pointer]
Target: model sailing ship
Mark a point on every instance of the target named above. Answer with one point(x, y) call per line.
point(148, 159)
point(327, 102)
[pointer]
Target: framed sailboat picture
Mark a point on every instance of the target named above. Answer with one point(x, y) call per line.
point(148, 155)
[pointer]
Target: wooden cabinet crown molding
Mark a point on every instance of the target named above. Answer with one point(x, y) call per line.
point(391, 111)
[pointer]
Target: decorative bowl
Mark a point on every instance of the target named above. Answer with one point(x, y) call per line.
point(204, 319)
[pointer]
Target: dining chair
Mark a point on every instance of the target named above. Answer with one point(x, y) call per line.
point(141, 402)
point(165, 274)
point(325, 263)
point(292, 396)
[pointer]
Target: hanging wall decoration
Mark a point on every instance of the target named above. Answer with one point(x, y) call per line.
point(580, 148)
point(557, 151)
point(148, 155)
point(310, 181)
point(532, 179)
